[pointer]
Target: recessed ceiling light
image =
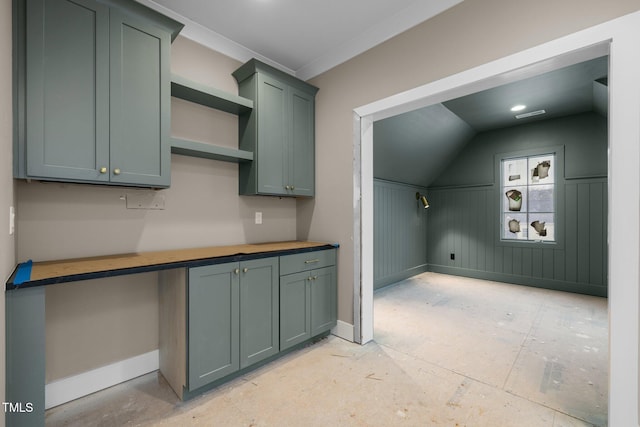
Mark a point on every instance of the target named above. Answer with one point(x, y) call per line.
point(518, 107)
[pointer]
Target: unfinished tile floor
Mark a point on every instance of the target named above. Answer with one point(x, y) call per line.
point(448, 351)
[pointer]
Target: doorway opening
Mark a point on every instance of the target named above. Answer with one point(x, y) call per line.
point(615, 38)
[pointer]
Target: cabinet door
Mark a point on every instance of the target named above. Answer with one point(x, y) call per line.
point(323, 300)
point(213, 327)
point(140, 102)
point(302, 143)
point(259, 316)
point(295, 309)
point(67, 97)
point(272, 155)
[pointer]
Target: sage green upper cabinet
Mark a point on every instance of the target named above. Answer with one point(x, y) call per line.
point(280, 131)
point(93, 95)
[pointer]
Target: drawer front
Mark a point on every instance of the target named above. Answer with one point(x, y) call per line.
point(307, 261)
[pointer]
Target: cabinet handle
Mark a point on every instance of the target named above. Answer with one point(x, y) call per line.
point(116, 171)
point(236, 271)
point(244, 270)
point(103, 170)
point(311, 261)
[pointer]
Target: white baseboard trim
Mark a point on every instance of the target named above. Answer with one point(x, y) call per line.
point(343, 330)
point(71, 388)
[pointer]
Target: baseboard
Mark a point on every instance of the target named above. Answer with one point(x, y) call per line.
point(71, 388)
point(343, 330)
point(381, 282)
point(557, 285)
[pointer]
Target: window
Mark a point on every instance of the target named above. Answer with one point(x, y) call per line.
point(528, 198)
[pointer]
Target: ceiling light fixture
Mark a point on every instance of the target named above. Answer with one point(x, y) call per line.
point(518, 107)
point(530, 114)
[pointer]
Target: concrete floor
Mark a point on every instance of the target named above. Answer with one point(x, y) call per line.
point(448, 351)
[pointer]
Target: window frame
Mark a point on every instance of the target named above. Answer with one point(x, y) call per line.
point(559, 206)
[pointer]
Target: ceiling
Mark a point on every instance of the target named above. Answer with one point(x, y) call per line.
point(415, 147)
point(303, 38)
point(307, 38)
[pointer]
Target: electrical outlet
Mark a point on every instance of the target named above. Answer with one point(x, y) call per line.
point(258, 217)
point(453, 257)
point(145, 200)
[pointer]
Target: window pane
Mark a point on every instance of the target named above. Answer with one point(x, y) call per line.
point(514, 172)
point(514, 226)
point(541, 169)
point(514, 199)
point(541, 227)
point(541, 198)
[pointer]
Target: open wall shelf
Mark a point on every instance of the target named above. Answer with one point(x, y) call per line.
point(209, 151)
point(211, 97)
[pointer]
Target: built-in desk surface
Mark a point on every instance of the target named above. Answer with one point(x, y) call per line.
point(70, 270)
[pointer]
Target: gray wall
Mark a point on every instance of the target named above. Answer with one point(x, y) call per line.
point(400, 232)
point(464, 213)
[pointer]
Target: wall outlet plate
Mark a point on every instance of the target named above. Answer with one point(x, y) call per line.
point(145, 200)
point(258, 217)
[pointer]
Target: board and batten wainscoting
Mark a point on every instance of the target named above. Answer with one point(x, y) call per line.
point(464, 217)
point(466, 223)
point(400, 232)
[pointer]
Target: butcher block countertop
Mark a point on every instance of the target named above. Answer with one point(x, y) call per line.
point(30, 274)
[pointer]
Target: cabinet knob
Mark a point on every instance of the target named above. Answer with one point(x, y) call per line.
point(116, 171)
point(287, 187)
point(236, 271)
point(103, 170)
point(293, 188)
point(244, 270)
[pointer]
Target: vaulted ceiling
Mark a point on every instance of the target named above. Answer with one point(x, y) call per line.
point(415, 147)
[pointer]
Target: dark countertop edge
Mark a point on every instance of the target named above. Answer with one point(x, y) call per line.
point(158, 267)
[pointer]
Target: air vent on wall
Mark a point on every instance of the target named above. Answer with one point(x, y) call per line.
point(530, 114)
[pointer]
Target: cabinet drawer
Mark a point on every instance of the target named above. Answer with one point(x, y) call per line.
point(307, 261)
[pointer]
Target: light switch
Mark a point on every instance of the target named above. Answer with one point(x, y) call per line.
point(12, 220)
point(258, 217)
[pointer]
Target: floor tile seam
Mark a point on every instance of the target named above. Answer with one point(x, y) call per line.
point(555, 411)
point(535, 323)
point(452, 371)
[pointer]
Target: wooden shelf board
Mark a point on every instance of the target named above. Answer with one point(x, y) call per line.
point(209, 151)
point(209, 96)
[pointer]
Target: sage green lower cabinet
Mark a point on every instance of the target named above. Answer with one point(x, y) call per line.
point(308, 298)
point(214, 323)
point(217, 319)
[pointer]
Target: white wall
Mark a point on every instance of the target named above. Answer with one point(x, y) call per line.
point(7, 244)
